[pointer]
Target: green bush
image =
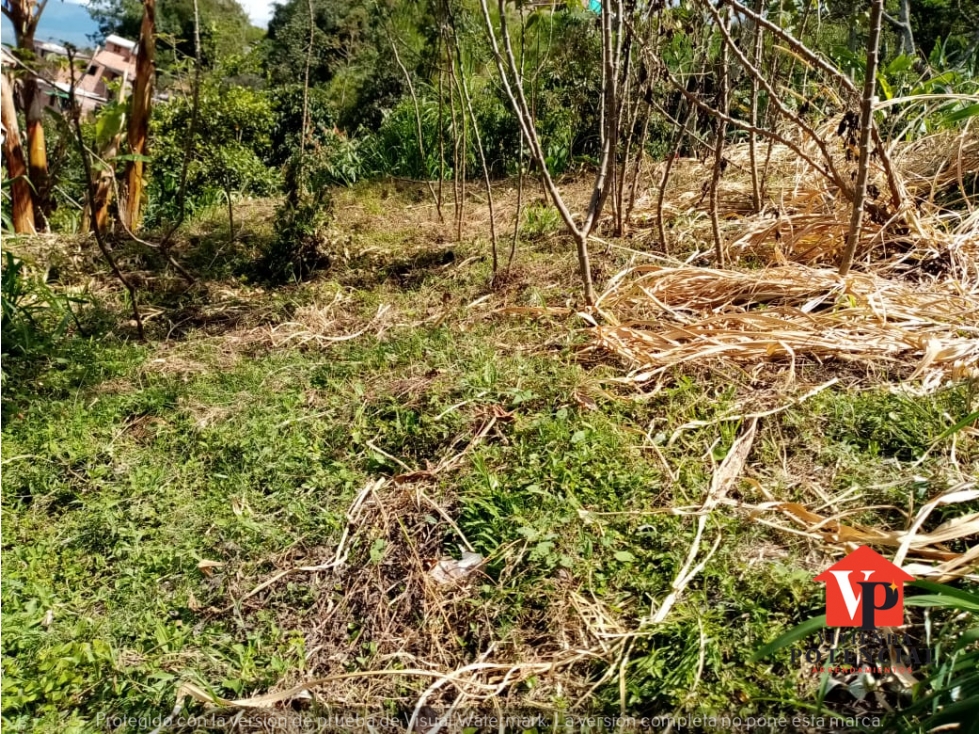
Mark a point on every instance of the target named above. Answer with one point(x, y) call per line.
point(287, 112)
point(232, 149)
point(540, 220)
point(299, 245)
point(301, 222)
point(333, 159)
point(34, 316)
point(393, 149)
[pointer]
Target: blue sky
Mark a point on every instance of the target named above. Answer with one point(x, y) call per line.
point(68, 20)
point(61, 21)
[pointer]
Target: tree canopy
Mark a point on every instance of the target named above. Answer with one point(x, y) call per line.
point(224, 27)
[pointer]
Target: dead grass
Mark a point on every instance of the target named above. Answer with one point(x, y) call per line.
point(916, 303)
point(665, 317)
point(414, 637)
point(379, 628)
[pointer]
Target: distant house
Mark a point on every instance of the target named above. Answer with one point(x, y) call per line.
point(56, 78)
point(111, 62)
point(116, 60)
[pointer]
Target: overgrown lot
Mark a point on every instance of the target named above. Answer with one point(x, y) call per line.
point(163, 503)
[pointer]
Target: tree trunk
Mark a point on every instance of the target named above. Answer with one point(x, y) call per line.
point(866, 124)
point(903, 26)
point(418, 123)
point(907, 35)
point(467, 98)
point(24, 16)
point(37, 157)
point(22, 205)
point(107, 174)
point(758, 44)
point(518, 103)
point(139, 116)
point(718, 169)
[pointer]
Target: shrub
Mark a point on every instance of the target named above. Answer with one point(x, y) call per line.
point(301, 223)
point(299, 245)
point(540, 220)
point(34, 316)
point(287, 109)
point(393, 149)
point(231, 152)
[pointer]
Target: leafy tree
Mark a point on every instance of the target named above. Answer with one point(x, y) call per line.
point(225, 28)
point(342, 32)
point(231, 152)
point(351, 57)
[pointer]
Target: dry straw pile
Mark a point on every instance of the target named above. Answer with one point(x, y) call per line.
point(669, 316)
point(913, 305)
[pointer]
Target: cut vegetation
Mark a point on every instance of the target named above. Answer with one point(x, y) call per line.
point(251, 511)
point(536, 376)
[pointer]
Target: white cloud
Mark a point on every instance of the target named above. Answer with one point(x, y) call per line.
point(259, 11)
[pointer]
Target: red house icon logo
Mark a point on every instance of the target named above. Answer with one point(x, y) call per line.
point(864, 590)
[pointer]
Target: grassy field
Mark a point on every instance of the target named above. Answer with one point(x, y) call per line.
point(161, 499)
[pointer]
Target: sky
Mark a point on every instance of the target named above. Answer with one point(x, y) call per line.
point(258, 10)
point(61, 21)
point(68, 21)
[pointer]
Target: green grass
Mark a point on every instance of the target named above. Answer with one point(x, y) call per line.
point(126, 465)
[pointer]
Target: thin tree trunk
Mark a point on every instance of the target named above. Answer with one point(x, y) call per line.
point(519, 105)
point(441, 92)
point(866, 123)
point(99, 205)
point(90, 184)
point(463, 160)
point(807, 56)
point(629, 129)
point(300, 190)
point(418, 123)
point(719, 152)
point(539, 66)
point(22, 204)
point(665, 178)
point(907, 34)
point(752, 140)
point(458, 137)
point(516, 216)
point(612, 38)
point(37, 155)
point(139, 118)
point(479, 147)
point(829, 167)
point(231, 217)
point(640, 158)
point(903, 26)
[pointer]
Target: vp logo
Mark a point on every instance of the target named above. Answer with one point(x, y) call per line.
point(864, 590)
